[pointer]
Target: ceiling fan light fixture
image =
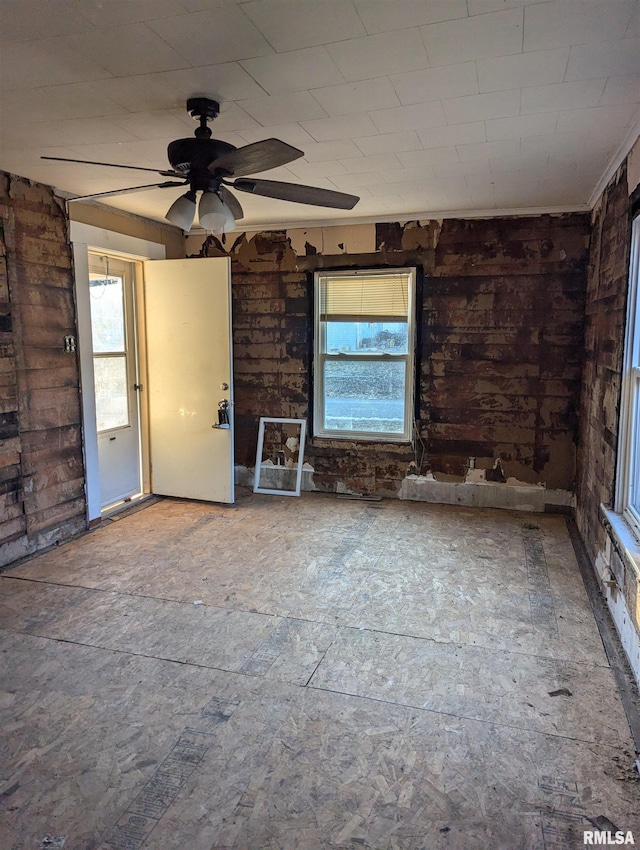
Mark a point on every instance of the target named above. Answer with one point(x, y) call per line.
point(214, 215)
point(183, 211)
point(230, 222)
point(206, 165)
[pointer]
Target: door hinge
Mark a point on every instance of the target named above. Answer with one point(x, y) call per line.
point(137, 387)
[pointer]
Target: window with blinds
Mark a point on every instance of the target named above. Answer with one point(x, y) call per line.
point(363, 354)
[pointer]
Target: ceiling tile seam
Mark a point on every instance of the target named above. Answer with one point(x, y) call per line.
point(249, 74)
point(357, 38)
point(630, 33)
point(475, 63)
point(426, 49)
point(354, 83)
point(554, 108)
point(496, 12)
point(364, 26)
point(520, 103)
point(89, 56)
point(251, 24)
point(297, 50)
point(566, 67)
point(425, 104)
point(171, 47)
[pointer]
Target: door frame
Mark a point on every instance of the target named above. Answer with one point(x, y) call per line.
point(120, 447)
point(86, 238)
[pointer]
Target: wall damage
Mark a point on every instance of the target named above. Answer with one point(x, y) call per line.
point(610, 545)
point(41, 463)
point(500, 317)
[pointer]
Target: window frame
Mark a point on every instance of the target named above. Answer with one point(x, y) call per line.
point(124, 271)
point(320, 357)
point(628, 461)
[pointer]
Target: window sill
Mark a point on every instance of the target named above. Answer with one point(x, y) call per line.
point(623, 538)
point(325, 442)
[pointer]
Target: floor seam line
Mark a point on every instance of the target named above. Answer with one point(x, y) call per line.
point(286, 616)
point(461, 717)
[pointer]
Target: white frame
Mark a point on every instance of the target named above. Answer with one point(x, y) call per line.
point(628, 461)
point(256, 480)
point(320, 357)
point(85, 238)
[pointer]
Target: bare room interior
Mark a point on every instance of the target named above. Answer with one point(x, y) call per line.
point(319, 424)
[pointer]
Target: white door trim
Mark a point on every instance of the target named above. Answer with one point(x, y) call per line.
point(86, 237)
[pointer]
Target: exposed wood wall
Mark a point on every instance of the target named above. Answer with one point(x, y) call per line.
point(41, 465)
point(600, 402)
point(605, 317)
point(500, 355)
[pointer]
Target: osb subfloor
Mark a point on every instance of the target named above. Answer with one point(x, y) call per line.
point(297, 674)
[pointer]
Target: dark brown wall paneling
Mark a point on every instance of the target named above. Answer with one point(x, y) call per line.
point(41, 465)
point(500, 353)
point(503, 324)
point(604, 348)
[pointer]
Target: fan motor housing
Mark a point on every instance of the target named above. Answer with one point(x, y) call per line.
point(195, 155)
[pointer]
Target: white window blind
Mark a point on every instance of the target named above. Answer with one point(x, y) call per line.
point(364, 298)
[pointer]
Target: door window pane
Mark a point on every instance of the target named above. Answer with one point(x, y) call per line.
point(107, 314)
point(112, 408)
point(364, 396)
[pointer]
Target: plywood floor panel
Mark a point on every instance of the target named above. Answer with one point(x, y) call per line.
point(476, 683)
point(356, 675)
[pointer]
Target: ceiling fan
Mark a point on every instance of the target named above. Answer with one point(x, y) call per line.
point(206, 165)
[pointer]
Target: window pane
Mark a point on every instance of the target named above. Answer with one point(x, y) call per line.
point(107, 313)
point(367, 337)
point(634, 454)
point(364, 396)
point(112, 409)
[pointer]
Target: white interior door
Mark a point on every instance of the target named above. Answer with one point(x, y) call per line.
point(190, 371)
point(111, 298)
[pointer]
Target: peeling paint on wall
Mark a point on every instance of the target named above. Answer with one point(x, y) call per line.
point(501, 314)
point(41, 462)
point(599, 406)
point(329, 241)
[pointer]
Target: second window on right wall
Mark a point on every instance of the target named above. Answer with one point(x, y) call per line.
point(364, 354)
point(628, 466)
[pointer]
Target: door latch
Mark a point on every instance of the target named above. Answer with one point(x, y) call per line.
point(223, 415)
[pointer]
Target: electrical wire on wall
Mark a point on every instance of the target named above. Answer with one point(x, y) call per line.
point(419, 454)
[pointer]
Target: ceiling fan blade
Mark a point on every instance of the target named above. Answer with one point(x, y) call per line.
point(251, 159)
point(166, 185)
point(115, 165)
point(298, 194)
point(232, 202)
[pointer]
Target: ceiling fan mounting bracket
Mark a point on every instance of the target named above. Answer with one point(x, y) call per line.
point(203, 109)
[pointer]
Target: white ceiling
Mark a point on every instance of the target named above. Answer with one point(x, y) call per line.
point(421, 107)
